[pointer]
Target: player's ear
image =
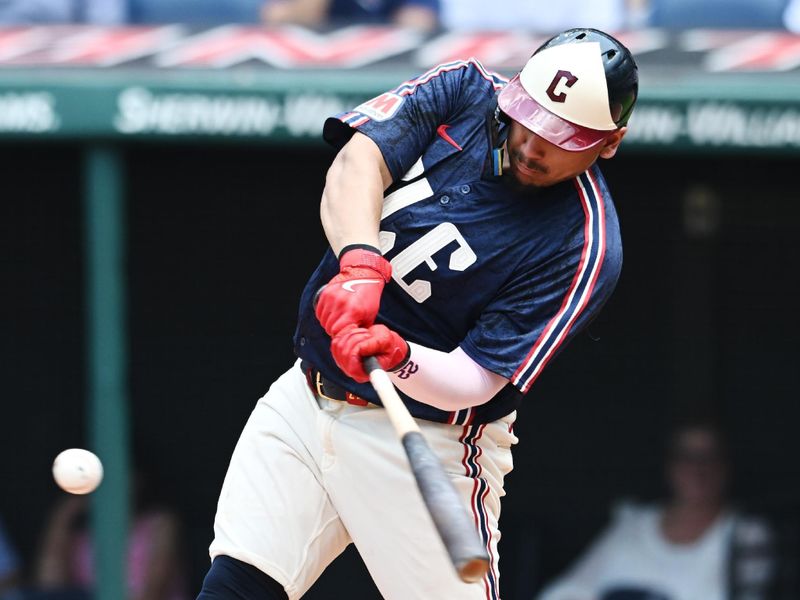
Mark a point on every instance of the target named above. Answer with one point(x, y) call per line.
point(612, 143)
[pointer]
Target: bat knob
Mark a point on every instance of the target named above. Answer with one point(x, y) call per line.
point(473, 569)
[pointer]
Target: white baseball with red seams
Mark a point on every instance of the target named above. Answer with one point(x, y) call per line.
point(77, 471)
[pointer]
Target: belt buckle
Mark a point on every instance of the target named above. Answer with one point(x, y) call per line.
point(348, 397)
point(318, 386)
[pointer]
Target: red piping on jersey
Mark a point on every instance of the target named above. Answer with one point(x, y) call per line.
point(443, 68)
point(497, 81)
point(467, 419)
point(582, 265)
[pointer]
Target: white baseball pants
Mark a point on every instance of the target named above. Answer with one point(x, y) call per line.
point(309, 475)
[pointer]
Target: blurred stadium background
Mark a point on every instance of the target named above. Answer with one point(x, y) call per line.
point(154, 175)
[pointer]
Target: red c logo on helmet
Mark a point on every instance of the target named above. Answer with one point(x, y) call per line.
point(569, 81)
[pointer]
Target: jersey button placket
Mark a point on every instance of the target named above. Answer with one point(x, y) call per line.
point(465, 189)
point(444, 200)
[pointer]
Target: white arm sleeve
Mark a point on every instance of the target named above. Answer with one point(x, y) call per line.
point(446, 380)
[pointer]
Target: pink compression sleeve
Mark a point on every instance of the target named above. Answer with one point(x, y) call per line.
point(447, 380)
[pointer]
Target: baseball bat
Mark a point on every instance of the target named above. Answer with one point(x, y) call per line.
point(456, 529)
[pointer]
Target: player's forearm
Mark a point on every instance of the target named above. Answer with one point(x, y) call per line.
point(447, 380)
point(351, 202)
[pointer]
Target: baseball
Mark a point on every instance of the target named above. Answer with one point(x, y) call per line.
point(77, 471)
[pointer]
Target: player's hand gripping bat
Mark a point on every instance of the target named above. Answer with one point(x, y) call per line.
point(457, 530)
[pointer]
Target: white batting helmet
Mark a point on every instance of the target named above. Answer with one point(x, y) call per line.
point(576, 89)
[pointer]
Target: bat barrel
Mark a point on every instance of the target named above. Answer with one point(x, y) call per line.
point(455, 526)
point(457, 530)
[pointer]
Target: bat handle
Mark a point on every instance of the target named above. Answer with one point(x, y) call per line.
point(371, 364)
point(401, 419)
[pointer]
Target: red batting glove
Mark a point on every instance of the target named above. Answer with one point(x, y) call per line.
point(354, 344)
point(353, 297)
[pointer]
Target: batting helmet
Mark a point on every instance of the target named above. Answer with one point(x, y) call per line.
point(576, 89)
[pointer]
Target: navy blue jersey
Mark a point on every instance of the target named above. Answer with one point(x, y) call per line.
point(510, 274)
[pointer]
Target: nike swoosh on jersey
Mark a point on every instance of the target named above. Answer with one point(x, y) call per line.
point(348, 285)
point(442, 131)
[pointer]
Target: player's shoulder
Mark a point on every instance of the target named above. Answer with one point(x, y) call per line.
point(591, 194)
point(481, 77)
point(591, 186)
point(474, 68)
point(596, 182)
point(460, 72)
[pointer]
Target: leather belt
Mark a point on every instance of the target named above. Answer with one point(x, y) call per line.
point(325, 388)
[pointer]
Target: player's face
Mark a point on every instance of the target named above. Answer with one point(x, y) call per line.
point(536, 162)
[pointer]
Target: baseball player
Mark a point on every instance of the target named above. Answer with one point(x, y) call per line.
point(471, 236)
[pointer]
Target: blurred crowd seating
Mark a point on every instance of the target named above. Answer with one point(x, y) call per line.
point(202, 12)
point(732, 14)
point(529, 15)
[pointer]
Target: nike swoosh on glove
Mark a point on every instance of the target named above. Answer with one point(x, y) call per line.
point(353, 297)
point(352, 345)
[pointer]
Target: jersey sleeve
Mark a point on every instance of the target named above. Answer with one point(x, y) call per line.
point(542, 308)
point(403, 121)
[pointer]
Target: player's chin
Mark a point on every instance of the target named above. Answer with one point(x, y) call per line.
point(529, 177)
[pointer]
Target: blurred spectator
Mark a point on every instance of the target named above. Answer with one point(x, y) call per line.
point(65, 566)
point(194, 12)
point(418, 14)
point(99, 12)
point(542, 16)
point(694, 546)
point(717, 14)
point(9, 566)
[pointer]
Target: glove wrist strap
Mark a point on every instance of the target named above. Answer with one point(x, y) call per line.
point(349, 247)
point(358, 255)
point(402, 364)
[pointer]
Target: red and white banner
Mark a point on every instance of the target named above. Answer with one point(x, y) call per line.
point(229, 46)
